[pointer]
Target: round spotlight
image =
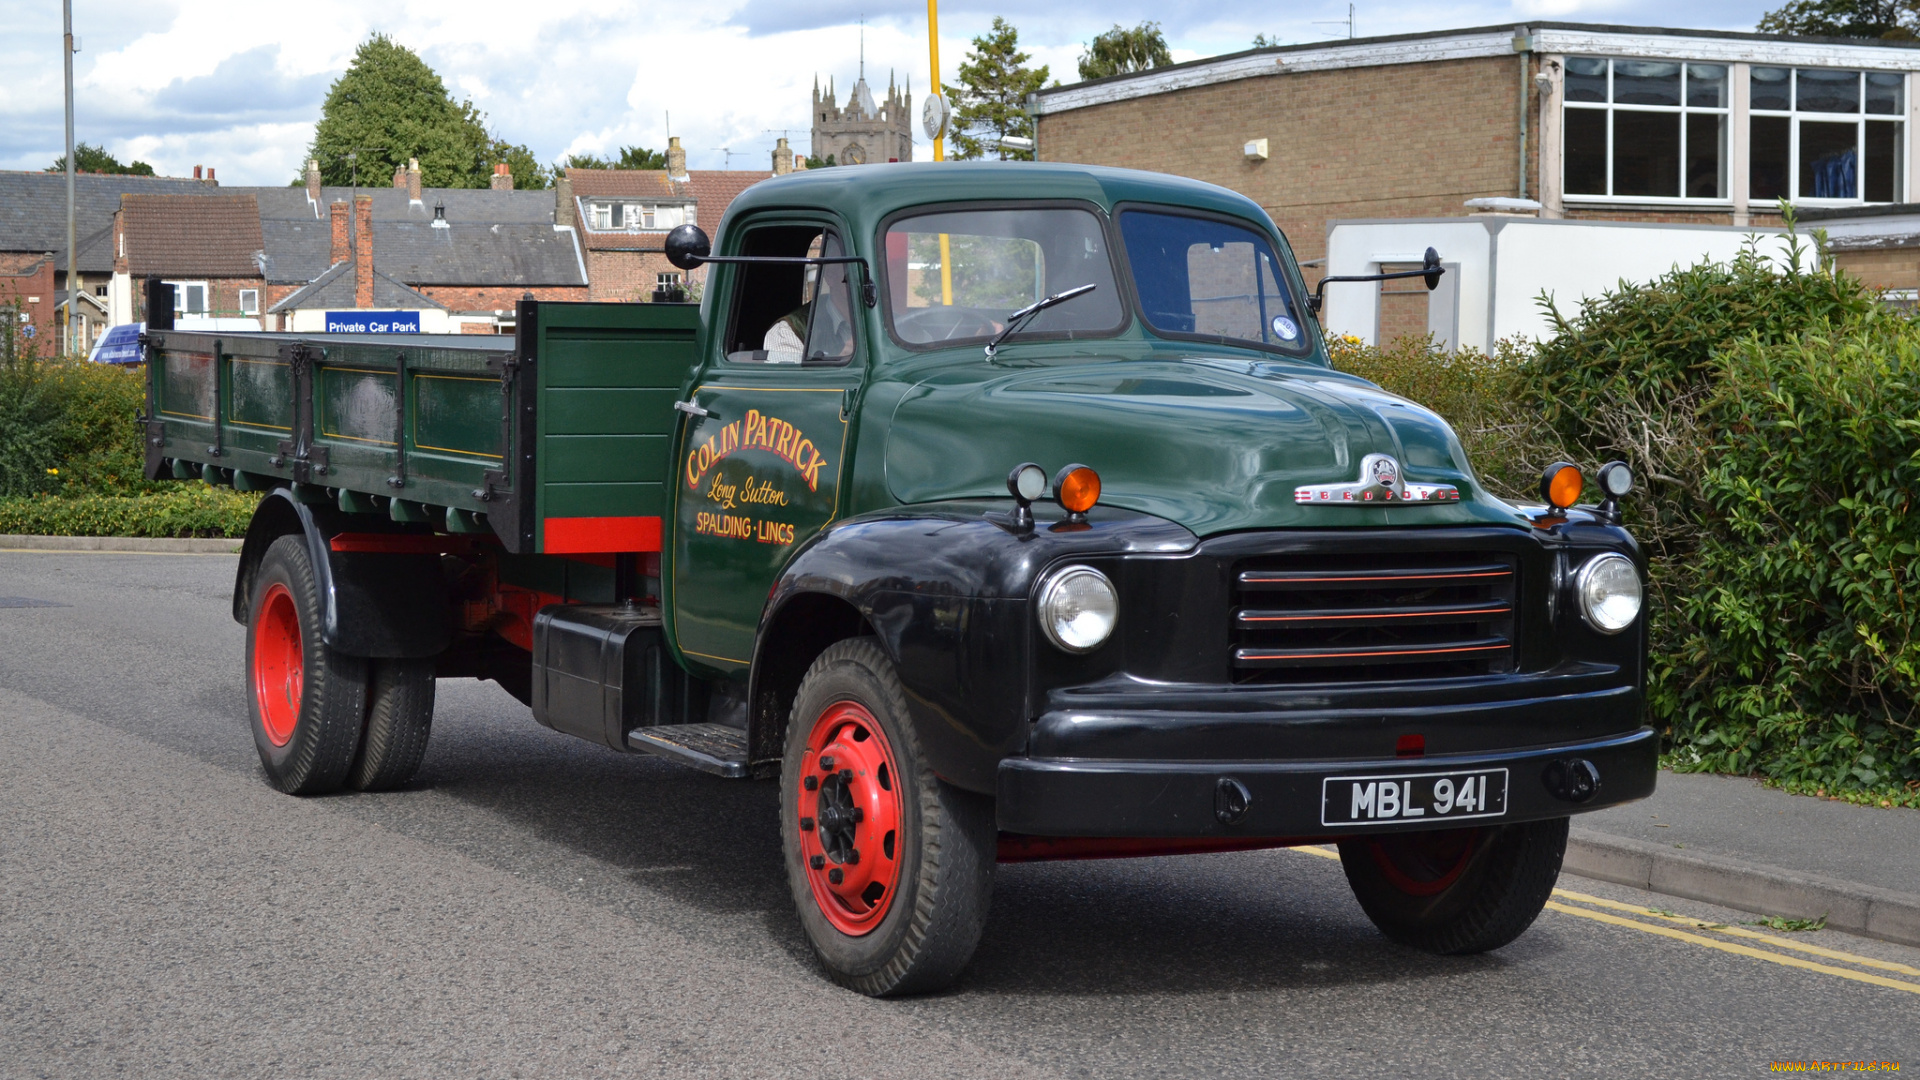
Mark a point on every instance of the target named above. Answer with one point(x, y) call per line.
point(1609, 589)
point(1616, 478)
point(1561, 485)
point(1027, 481)
point(1078, 608)
point(1077, 488)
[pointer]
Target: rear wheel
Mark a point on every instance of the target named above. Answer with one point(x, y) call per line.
point(891, 869)
point(399, 718)
point(306, 701)
point(1456, 891)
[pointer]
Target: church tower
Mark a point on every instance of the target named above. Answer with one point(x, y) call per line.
point(865, 131)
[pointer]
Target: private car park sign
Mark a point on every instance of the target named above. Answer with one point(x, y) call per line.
point(373, 322)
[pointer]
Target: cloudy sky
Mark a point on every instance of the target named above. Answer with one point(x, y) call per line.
point(237, 84)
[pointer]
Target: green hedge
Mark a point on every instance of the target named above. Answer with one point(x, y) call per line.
point(1768, 410)
point(184, 509)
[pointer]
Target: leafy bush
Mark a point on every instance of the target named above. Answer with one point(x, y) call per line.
point(67, 426)
point(181, 510)
point(1800, 655)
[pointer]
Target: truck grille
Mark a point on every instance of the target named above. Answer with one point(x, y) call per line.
point(1349, 618)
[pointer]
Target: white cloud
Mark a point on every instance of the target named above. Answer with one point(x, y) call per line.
point(238, 85)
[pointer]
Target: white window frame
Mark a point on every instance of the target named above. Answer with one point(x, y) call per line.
point(180, 297)
point(1609, 107)
point(1859, 118)
point(602, 215)
point(249, 301)
point(667, 279)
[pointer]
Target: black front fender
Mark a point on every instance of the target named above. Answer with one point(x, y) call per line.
point(947, 593)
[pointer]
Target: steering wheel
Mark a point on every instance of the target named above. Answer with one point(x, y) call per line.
point(945, 323)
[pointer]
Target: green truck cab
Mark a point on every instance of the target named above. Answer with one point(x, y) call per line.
point(996, 512)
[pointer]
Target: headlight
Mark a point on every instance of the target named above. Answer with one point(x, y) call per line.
point(1078, 607)
point(1609, 589)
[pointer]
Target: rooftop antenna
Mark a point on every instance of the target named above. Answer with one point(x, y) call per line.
point(727, 150)
point(1346, 22)
point(863, 48)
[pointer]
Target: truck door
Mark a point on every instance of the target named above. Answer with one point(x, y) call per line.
point(761, 471)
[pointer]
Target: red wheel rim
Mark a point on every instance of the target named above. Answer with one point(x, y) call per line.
point(1425, 864)
point(279, 664)
point(849, 792)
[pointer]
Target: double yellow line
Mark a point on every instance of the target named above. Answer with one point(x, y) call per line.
point(1778, 950)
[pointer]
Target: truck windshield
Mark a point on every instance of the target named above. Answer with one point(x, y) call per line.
point(955, 277)
point(1206, 278)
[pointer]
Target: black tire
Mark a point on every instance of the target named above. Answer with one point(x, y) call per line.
point(1456, 891)
point(307, 718)
point(399, 719)
point(943, 857)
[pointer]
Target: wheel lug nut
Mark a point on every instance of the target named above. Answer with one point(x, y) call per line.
point(853, 857)
point(836, 875)
point(806, 824)
point(811, 783)
point(846, 776)
point(817, 861)
point(826, 764)
point(859, 815)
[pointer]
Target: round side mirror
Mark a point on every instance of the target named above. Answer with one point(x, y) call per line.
point(1431, 264)
point(687, 247)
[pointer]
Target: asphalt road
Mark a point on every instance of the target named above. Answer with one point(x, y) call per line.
point(535, 906)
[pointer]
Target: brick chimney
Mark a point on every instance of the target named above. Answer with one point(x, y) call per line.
point(342, 244)
point(210, 180)
point(196, 173)
point(413, 179)
point(400, 176)
point(563, 200)
point(782, 158)
point(676, 160)
point(502, 178)
point(313, 183)
point(363, 251)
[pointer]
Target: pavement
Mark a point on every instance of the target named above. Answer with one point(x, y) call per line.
point(536, 906)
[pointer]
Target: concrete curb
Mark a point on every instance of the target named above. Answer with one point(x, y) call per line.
point(1756, 887)
point(149, 545)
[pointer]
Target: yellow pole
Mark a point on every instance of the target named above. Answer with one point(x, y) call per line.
point(933, 54)
point(939, 146)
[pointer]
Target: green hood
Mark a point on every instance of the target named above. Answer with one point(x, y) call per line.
point(1217, 445)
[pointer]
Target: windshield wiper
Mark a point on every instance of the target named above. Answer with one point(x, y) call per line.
point(1019, 318)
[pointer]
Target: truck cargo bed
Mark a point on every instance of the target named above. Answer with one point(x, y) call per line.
point(555, 440)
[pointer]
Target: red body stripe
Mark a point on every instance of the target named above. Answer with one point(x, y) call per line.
point(581, 535)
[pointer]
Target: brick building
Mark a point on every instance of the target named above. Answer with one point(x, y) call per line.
point(26, 290)
point(624, 216)
point(1588, 122)
point(207, 246)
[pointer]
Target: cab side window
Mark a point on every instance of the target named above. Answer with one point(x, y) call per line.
point(790, 313)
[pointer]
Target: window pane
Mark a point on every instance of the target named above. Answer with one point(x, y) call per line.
point(1706, 156)
point(1825, 90)
point(997, 261)
point(1769, 89)
point(1644, 82)
point(1829, 161)
point(1586, 152)
point(1885, 90)
point(1883, 179)
point(1586, 79)
point(1646, 154)
point(1199, 276)
point(1768, 157)
point(1707, 86)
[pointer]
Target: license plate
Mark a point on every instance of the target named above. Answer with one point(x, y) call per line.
point(1438, 796)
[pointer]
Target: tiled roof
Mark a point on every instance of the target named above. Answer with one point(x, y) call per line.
point(622, 183)
point(463, 253)
point(711, 191)
point(211, 235)
point(391, 204)
point(334, 290)
point(33, 211)
point(715, 190)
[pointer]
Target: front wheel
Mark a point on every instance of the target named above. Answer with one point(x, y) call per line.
point(891, 869)
point(1456, 891)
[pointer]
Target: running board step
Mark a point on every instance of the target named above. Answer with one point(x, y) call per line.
point(711, 748)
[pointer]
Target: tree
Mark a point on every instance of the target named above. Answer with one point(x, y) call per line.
point(1120, 51)
point(1894, 20)
point(630, 157)
point(991, 101)
point(92, 159)
point(390, 106)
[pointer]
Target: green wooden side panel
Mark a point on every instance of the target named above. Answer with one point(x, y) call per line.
point(354, 404)
point(609, 375)
point(262, 393)
point(457, 414)
point(186, 385)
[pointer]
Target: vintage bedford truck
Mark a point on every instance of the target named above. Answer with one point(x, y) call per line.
point(997, 512)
